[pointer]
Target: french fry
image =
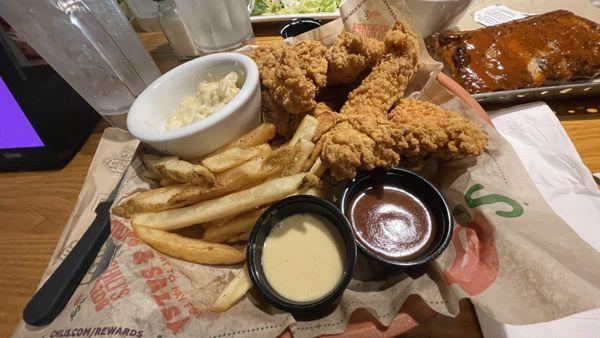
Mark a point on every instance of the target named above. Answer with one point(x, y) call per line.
point(232, 157)
point(314, 155)
point(232, 228)
point(259, 135)
point(316, 152)
point(194, 193)
point(185, 172)
point(306, 129)
point(239, 238)
point(178, 170)
point(207, 225)
point(314, 191)
point(244, 176)
point(152, 161)
point(310, 181)
point(151, 200)
point(310, 161)
point(149, 173)
point(221, 207)
point(280, 158)
point(188, 249)
point(195, 231)
point(167, 181)
point(318, 168)
point(219, 222)
point(235, 290)
point(301, 150)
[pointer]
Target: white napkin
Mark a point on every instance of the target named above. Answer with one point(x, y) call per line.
point(568, 186)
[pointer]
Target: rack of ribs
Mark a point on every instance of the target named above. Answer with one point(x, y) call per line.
point(545, 49)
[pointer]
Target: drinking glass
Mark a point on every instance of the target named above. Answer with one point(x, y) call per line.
point(91, 45)
point(217, 25)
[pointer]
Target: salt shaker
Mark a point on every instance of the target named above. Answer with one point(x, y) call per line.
point(175, 30)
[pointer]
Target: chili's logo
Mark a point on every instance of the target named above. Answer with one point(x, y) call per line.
point(475, 266)
point(370, 14)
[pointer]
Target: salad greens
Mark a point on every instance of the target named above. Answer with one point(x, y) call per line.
point(295, 6)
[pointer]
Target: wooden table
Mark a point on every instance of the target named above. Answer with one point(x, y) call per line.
point(34, 207)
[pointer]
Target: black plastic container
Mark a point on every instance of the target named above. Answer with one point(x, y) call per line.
point(298, 26)
point(418, 186)
point(278, 211)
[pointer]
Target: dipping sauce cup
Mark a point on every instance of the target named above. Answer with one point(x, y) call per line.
point(301, 254)
point(398, 217)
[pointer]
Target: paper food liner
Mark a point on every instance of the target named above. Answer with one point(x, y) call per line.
point(510, 253)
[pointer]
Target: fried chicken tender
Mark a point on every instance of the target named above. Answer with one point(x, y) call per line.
point(357, 142)
point(363, 136)
point(291, 76)
point(288, 123)
point(386, 83)
point(430, 130)
point(351, 57)
point(285, 81)
point(285, 122)
point(326, 117)
point(312, 56)
point(412, 132)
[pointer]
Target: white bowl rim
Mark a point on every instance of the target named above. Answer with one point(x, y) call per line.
point(244, 95)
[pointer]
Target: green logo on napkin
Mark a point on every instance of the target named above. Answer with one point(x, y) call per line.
point(517, 209)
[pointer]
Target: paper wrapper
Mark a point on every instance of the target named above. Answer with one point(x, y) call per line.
point(510, 253)
point(583, 8)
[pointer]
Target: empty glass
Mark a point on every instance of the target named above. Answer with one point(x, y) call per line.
point(217, 25)
point(91, 45)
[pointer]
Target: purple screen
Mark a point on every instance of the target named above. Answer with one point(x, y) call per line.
point(15, 129)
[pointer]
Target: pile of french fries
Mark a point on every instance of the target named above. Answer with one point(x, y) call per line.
point(218, 198)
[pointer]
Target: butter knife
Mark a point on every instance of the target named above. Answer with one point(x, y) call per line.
point(52, 297)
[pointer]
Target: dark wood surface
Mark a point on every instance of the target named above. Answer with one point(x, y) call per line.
point(34, 206)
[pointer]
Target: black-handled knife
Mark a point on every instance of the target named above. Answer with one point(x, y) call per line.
point(52, 297)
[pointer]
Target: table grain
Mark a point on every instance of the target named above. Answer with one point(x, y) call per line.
point(34, 206)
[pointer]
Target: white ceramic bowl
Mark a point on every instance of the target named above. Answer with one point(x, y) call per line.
point(432, 16)
point(150, 111)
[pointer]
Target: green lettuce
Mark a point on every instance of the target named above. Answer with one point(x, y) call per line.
point(302, 6)
point(266, 7)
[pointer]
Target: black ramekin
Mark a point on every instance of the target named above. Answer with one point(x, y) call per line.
point(298, 26)
point(420, 188)
point(262, 228)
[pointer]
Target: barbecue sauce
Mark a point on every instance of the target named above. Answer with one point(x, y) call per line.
point(391, 222)
point(538, 50)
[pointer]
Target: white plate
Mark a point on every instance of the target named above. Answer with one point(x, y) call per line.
point(272, 18)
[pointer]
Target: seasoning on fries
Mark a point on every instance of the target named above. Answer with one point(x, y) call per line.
point(179, 171)
point(151, 200)
point(225, 206)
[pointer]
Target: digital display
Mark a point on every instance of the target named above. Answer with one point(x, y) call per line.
point(15, 130)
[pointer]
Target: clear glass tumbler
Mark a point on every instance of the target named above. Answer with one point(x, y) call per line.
point(218, 25)
point(91, 45)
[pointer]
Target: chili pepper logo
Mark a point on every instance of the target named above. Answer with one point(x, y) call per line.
point(370, 14)
point(476, 264)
